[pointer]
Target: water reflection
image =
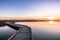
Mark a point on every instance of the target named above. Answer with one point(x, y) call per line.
point(51, 22)
point(44, 30)
point(40, 30)
point(6, 32)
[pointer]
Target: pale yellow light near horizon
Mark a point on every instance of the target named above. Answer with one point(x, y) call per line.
point(51, 18)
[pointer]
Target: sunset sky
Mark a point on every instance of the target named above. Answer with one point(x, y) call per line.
point(29, 8)
point(33, 9)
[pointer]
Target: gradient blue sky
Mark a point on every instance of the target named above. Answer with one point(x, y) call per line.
point(29, 8)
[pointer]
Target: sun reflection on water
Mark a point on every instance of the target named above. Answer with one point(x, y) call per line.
point(51, 22)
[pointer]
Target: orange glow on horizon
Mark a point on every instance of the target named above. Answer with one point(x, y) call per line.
point(30, 18)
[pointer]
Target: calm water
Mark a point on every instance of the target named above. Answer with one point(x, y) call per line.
point(44, 30)
point(6, 32)
point(40, 30)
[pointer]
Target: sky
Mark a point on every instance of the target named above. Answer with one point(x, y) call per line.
point(29, 8)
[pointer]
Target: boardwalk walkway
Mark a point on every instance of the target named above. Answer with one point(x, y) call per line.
point(23, 33)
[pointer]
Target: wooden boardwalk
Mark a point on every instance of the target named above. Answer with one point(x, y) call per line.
point(24, 32)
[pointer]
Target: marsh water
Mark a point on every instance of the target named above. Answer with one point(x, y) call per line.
point(40, 30)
